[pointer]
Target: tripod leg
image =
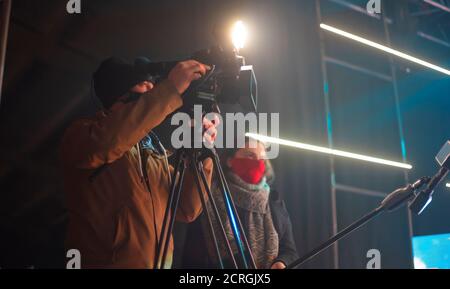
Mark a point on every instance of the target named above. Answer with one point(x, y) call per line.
point(179, 161)
point(199, 171)
point(173, 212)
point(238, 230)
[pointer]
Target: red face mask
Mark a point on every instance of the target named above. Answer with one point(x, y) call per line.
point(249, 170)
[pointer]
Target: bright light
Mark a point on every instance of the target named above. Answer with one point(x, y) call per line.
point(419, 264)
point(239, 34)
point(384, 48)
point(448, 185)
point(328, 151)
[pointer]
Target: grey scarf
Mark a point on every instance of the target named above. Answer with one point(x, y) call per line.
point(256, 217)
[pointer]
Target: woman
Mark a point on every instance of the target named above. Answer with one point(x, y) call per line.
point(262, 213)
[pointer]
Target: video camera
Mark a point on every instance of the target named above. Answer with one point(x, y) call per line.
point(229, 81)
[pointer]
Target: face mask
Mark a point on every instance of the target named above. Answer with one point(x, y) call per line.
point(251, 171)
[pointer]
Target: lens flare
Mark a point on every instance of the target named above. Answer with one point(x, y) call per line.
point(239, 34)
point(328, 151)
point(384, 48)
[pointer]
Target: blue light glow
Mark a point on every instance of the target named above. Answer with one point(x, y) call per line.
point(432, 252)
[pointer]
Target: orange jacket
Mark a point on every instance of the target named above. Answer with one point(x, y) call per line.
point(114, 220)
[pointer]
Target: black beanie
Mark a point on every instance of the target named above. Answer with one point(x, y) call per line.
point(114, 78)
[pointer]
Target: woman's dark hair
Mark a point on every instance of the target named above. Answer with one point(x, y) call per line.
point(230, 152)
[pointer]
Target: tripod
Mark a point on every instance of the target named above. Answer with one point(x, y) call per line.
point(192, 158)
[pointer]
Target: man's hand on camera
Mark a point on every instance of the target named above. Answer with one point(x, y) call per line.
point(210, 129)
point(185, 72)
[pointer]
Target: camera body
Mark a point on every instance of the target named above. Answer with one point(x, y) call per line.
point(229, 81)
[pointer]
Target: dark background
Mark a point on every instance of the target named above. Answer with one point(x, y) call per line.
point(51, 56)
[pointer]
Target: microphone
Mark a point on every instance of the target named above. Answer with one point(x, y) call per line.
point(399, 196)
point(424, 198)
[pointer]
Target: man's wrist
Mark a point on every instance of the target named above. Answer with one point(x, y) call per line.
point(171, 86)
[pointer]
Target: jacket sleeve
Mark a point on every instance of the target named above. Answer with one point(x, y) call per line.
point(89, 144)
point(190, 202)
point(287, 250)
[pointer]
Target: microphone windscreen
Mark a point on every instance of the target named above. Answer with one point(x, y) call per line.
point(443, 157)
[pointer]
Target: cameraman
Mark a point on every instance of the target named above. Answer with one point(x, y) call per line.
point(116, 176)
